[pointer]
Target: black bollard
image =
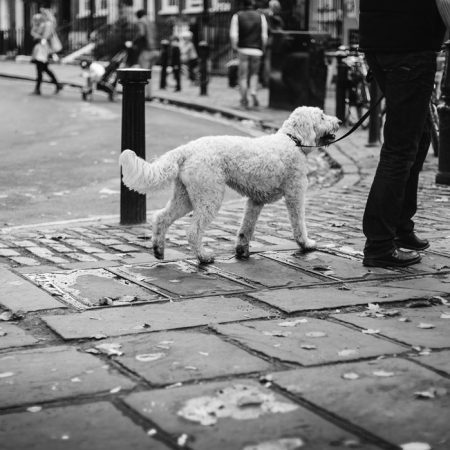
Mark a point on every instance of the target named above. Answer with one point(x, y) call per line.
point(375, 115)
point(341, 86)
point(203, 53)
point(443, 175)
point(164, 61)
point(133, 209)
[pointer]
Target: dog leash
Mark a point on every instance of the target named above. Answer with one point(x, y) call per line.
point(298, 143)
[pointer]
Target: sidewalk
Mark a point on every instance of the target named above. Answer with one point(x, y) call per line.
point(104, 347)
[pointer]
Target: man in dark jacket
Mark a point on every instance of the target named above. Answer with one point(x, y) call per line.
point(400, 39)
point(248, 35)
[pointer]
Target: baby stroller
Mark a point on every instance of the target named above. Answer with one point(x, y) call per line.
point(107, 82)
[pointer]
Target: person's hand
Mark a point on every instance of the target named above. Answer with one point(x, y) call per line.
point(43, 41)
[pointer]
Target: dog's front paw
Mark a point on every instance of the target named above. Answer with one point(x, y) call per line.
point(309, 245)
point(206, 258)
point(158, 252)
point(242, 252)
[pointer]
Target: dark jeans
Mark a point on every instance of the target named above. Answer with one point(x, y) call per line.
point(41, 68)
point(406, 80)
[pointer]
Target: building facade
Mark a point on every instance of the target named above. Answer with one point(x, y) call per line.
point(208, 20)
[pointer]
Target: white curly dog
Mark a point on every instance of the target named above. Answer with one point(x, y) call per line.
point(264, 169)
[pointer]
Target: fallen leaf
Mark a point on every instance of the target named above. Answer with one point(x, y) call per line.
point(404, 319)
point(181, 441)
point(152, 432)
point(110, 348)
point(115, 390)
point(94, 351)
point(316, 334)
point(431, 393)
point(99, 336)
point(370, 331)
point(6, 316)
point(347, 352)
point(277, 333)
point(292, 323)
point(383, 373)
point(445, 316)
point(6, 374)
point(34, 409)
point(149, 357)
point(308, 347)
point(425, 326)
point(415, 446)
point(350, 376)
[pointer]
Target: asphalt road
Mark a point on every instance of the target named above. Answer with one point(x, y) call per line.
point(59, 154)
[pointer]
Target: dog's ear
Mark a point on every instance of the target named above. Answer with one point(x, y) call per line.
point(305, 129)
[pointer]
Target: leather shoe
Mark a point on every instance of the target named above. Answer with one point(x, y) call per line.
point(398, 258)
point(411, 242)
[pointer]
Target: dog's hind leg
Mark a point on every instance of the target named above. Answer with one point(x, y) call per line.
point(178, 206)
point(245, 234)
point(206, 204)
point(295, 198)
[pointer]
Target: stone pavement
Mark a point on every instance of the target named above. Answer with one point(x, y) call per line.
point(102, 346)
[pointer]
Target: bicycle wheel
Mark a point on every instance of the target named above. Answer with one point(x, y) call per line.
point(434, 127)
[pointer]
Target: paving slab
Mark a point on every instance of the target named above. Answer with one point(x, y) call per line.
point(240, 415)
point(307, 341)
point(313, 298)
point(13, 336)
point(437, 360)
point(94, 426)
point(46, 374)
point(334, 266)
point(431, 262)
point(422, 327)
point(88, 288)
point(182, 279)
point(18, 294)
point(179, 356)
point(380, 398)
point(264, 271)
point(118, 321)
point(430, 285)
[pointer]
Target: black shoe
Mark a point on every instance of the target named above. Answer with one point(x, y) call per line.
point(398, 258)
point(58, 87)
point(411, 242)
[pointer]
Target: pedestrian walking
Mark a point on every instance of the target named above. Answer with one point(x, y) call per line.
point(145, 46)
point(175, 61)
point(400, 39)
point(248, 35)
point(275, 23)
point(46, 45)
point(189, 56)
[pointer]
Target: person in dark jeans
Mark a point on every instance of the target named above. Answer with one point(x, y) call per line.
point(400, 39)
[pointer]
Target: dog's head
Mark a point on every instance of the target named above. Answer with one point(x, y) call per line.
point(311, 126)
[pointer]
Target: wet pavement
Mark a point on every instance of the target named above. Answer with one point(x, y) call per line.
point(103, 346)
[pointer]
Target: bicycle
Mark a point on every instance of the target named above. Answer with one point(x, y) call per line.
point(357, 101)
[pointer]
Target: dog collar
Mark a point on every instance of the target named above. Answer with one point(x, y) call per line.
point(297, 141)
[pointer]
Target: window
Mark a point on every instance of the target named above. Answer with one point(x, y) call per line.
point(169, 7)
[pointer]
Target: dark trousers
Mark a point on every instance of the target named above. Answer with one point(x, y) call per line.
point(406, 80)
point(41, 68)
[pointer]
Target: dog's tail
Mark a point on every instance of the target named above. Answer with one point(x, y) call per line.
point(142, 176)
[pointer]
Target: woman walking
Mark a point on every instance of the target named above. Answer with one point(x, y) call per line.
point(47, 43)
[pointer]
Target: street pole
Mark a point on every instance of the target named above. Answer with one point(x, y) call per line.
point(133, 208)
point(443, 175)
point(341, 85)
point(203, 53)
